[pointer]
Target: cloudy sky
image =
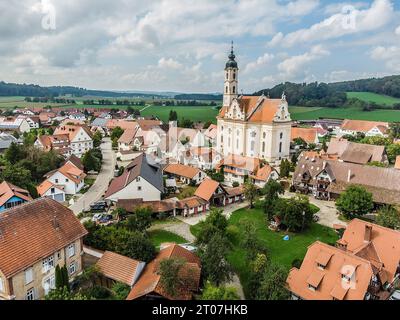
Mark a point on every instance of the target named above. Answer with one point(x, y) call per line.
point(182, 45)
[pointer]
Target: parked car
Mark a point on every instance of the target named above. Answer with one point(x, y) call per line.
point(315, 218)
point(96, 217)
point(395, 295)
point(99, 206)
point(105, 219)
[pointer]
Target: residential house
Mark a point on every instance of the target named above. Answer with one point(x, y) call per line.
point(211, 135)
point(234, 195)
point(140, 180)
point(347, 151)
point(33, 121)
point(204, 158)
point(192, 206)
point(212, 192)
point(327, 179)
point(185, 174)
point(14, 124)
point(50, 190)
point(60, 143)
point(369, 128)
point(165, 207)
point(6, 140)
point(125, 142)
point(46, 118)
point(80, 138)
point(12, 196)
point(364, 265)
point(122, 123)
point(69, 177)
point(116, 268)
point(149, 286)
point(263, 174)
point(35, 238)
point(77, 116)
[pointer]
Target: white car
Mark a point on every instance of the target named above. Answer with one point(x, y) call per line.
point(395, 295)
point(97, 217)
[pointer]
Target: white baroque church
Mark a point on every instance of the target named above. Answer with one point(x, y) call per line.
point(252, 126)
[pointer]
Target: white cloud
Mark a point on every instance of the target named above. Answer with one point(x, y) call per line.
point(259, 63)
point(378, 15)
point(333, 8)
point(397, 31)
point(169, 64)
point(390, 55)
point(295, 64)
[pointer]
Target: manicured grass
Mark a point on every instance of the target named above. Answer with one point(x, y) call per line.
point(373, 97)
point(279, 251)
point(195, 114)
point(310, 113)
point(158, 237)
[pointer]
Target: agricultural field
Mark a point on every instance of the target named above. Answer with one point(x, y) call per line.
point(373, 97)
point(309, 113)
point(11, 102)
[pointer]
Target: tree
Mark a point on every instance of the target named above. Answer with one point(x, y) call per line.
point(91, 162)
point(285, 168)
point(213, 259)
point(141, 219)
point(250, 192)
point(64, 294)
point(271, 192)
point(120, 290)
point(355, 201)
point(295, 213)
point(395, 130)
point(137, 246)
point(273, 284)
point(249, 239)
point(59, 278)
point(212, 292)
point(14, 153)
point(175, 276)
point(388, 217)
point(97, 137)
point(393, 151)
point(215, 223)
point(116, 133)
point(17, 175)
point(173, 116)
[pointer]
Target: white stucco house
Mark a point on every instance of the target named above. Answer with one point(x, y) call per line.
point(50, 190)
point(140, 180)
point(79, 136)
point(69, 178)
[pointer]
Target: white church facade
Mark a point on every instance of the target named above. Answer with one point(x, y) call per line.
point(252, 126)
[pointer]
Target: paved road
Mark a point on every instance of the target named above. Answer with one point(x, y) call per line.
point(328, 214)
point(97, 190)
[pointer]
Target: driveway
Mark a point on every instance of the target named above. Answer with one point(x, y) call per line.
point(327, 215)
point(100, 186)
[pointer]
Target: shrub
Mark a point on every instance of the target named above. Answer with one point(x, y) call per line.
point(233, 233)
point(296, 263)
point(235, 184)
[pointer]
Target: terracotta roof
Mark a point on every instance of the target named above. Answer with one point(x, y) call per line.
point(149, 281)
point(206, 189)
point(34, 231)
point(8, 190)
point(45, 186)
point(241, 162)
point(119, 268)
point(309, 135)
point(127, 136)
point(263, 174)
point(385, 249)
point(72, 172)
point(192, 202)
point(75, 161)
point(146, 125)
point(328, 281)
point(72, 130)
point(232, 192)
point(364, 126)
point(182, 170)
point(123, 124)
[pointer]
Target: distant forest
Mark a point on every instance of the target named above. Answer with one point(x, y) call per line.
point(31, 90)
point(333, 94)
point(198, 96)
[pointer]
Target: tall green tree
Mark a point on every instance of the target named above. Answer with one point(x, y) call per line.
point(388, 217)
point(211, 292)
point(97, 137)
point(273, 284)
point(285, 168)
point(250, 192)
point(271, 192)
point(355, 201)
point(295, 213)
point(141, 219)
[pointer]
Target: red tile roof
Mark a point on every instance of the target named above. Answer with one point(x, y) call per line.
point(8, 190)
point(206, 189)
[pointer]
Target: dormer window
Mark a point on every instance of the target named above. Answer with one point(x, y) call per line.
point(321, 266)
point(312, 288)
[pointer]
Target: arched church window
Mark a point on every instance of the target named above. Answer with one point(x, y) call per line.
point(263, 147)
point(234, 76)
point(222, 139)
point(252, 146)
point(234, 89)
point(253, 134)
point(280, 146)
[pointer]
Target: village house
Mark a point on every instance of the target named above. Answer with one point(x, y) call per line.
point(59, 143)
point(369, 128)
point(35, 238)
point(364, 265)
point(165, 207)
point(263, 175)
point(212, 192)
point(116, 268)
point(12, 196)
point(252, 126)
point(211, 134)
point(185, 174)
point(14, 124)
point(33, 121)
point(6, 140)
point(149, 286)
point(347, 151)
point(309, 135)
point(140, 180)
point(69, 178)
point(204, 158)
point(50, 190)
point(77, 116)
point(80, 138)
point(327, 179)
point(46, 118)
point(192, 206)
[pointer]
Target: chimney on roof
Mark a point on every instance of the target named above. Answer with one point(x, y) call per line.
point(349, 175)
point(55, 222)
point(368, 233)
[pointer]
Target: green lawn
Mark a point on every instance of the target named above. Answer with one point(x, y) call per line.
point(280, 251)
point(373, 97)
point(310, 113)
point(158, 237)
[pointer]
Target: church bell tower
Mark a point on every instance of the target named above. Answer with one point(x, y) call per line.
point(231, 79)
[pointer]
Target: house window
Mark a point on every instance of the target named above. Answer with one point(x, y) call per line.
point(30, 294)
point(137, 179)
point(71, 250)
point(59, 255)
point(263, 147)
point(49, 284)
point(48, 264)
point(56, 180)
point(139, 188)
point(72, 268)
point(321, 266)
point(1, 285)
point(66, 180)
point(53, 190)
point(28, 275)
